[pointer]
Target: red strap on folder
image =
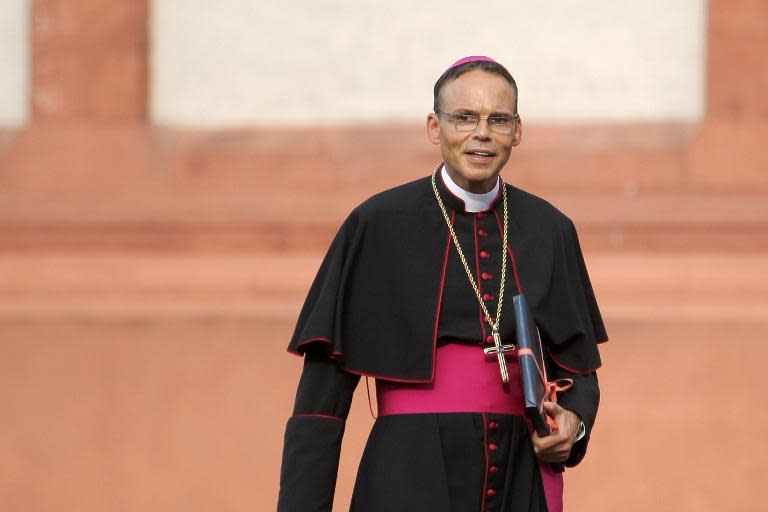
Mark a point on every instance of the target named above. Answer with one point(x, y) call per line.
point(550, 387)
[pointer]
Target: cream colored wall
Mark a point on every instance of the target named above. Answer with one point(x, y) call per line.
point(14, 68)
point(309, 61)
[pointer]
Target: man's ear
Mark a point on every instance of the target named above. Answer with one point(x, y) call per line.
point(433, 128)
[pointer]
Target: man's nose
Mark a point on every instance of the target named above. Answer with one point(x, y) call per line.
point(483, 129)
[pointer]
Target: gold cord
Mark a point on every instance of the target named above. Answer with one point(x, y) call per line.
point(494, 324)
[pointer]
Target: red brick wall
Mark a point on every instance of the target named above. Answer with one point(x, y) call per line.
point(150, 281)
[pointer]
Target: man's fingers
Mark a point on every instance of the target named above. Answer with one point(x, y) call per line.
point(552, 409)
point(555, 447)
point(551, 448)
point(547, 442)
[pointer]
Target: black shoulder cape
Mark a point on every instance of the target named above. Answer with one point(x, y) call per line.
point(375, 303)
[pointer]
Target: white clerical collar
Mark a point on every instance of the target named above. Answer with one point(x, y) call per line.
point(473, 203)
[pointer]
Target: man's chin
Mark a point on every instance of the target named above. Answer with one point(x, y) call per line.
point(479, 173)
point(479, 182)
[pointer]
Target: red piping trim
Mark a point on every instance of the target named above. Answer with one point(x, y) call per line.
point(511, 254)
point(321, 339)
point(485, 453)
point(393, 379)
point(573, 370)
point(383, 377)
point(338, 355)
point(440, 295)
point(316, 338)
point(325, 416)
point(479, 282)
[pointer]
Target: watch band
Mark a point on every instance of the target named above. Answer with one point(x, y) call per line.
point(581, 433)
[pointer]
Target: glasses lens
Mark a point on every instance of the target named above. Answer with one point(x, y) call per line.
point(465, 122)
point(502, 124)
point(469, 122)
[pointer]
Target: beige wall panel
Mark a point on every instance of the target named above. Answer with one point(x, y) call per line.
point(14, 62)
point(310, 61)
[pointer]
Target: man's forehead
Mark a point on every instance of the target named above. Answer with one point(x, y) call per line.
point(479, 86)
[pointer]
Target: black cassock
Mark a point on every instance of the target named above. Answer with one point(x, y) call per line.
point(390, 290)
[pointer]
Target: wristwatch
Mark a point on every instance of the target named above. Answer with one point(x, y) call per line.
point(581, 433)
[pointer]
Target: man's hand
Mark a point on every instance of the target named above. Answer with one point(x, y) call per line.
point(557, 446)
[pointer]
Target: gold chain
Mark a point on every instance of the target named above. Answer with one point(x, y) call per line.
point(494, 324)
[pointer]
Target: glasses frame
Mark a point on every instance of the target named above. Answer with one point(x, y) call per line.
point(454, 122)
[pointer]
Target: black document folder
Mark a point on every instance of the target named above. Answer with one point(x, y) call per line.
point(532, 371)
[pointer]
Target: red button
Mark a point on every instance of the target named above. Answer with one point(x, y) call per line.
point(487, 296)
point(493, 469)
point(492, 447)
point(493, 425)
point(486, 275)
point(490, 492)
point(489, 339)
point(482, 232)
point(484, 254)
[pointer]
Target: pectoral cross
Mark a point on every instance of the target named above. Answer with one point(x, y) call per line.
point(499, 349)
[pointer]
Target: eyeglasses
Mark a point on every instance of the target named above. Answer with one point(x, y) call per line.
point(468, 122)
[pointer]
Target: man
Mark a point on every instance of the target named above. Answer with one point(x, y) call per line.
point(411, 291)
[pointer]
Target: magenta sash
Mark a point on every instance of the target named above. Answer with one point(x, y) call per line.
point(466, 380)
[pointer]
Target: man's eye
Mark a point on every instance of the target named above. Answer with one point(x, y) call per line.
point(466, 118)
point(501, 120)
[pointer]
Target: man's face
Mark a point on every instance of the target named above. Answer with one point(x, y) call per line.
point(474, 158)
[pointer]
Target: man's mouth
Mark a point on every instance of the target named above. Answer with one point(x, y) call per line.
point(481, 153)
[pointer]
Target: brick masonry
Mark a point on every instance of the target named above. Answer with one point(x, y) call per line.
point(149, 281)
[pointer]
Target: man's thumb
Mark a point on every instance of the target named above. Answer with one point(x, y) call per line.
point(552, 409)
